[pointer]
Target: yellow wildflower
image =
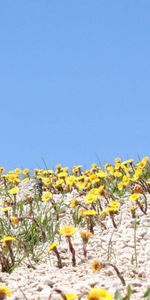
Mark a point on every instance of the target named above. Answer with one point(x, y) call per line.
point(76, 169)
point(14, 191)
point(52, 246)
point(46, 180)
point(85, 235)
point(71, 296)
point(58, 166)
point(117, 160)
point(117, 166)
point(90, 198)
point(143, 162)
point(4, 292)
point(90, 212)
point(12, 178)
point(14, 220)
point(120, 186)
point(96, 265)
point(101, 174)
point(5, 209)
point(99, 294)
point(47, 196)
point(62, 175)
point(2, 169)
point(138, 173)
point(117, 174)
point(59, 182)
point(74, 203)
point(25, 172)
point(128, 161)
point(7, 240)
point(114, 205)
point(70, 180)
point(105, 211)
point(67, 230)
point(17, 171)
point(135, 196)
point(126, 180)
point(111, 170)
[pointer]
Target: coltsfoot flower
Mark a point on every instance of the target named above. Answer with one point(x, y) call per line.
point(99, 294)
point(74, 203)
point(7, 239)
point(96, 265)
point(71, 296)
point(52, 246)
point(67, 230)
point(14, 191)
point(47, 196)
point(4, 292)
point(135, 196)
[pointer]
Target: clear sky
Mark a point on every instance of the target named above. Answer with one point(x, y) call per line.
point(74, 81)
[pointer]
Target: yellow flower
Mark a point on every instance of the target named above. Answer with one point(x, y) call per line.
point(105, 211)
point(70, 180)
point(76, 169)
point(111, 170)
point(93, 195)
point(128, 161)
point(99, 294)
point(46, 180)
point(74, 203)
point(120, 186)
point(114, 205)
point(101, 174)
point(138, 173)
point(7, 239)
point(5, 209)
point(14, 191)
point(52, 246)
point(4, 292)
point(62, 175)
point(2, 169)
point(17, 171)
point(71, 296)
point(117, 174)
point(59, 182)
point(12, 177)
point(126, 180)
point(47, 196)
point(14, 220)
point(25, 172)
point(135, 196)
point(117, 160)
point(143, 162)
point(58, 166)
point(90, 198)
point(117, 166)
point(133, 208)
point(96, 265)
point(90, 212)
point(80, 185)
point(85, 235)
point(94, 166)
point(67, 230)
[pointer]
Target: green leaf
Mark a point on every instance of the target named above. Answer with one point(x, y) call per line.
point(118, 295)
point(147, 293)
point(129, 291)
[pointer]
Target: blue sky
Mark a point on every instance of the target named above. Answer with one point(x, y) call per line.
point(74, 81)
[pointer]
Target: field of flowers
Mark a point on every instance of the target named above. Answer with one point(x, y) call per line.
point(69, 219)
